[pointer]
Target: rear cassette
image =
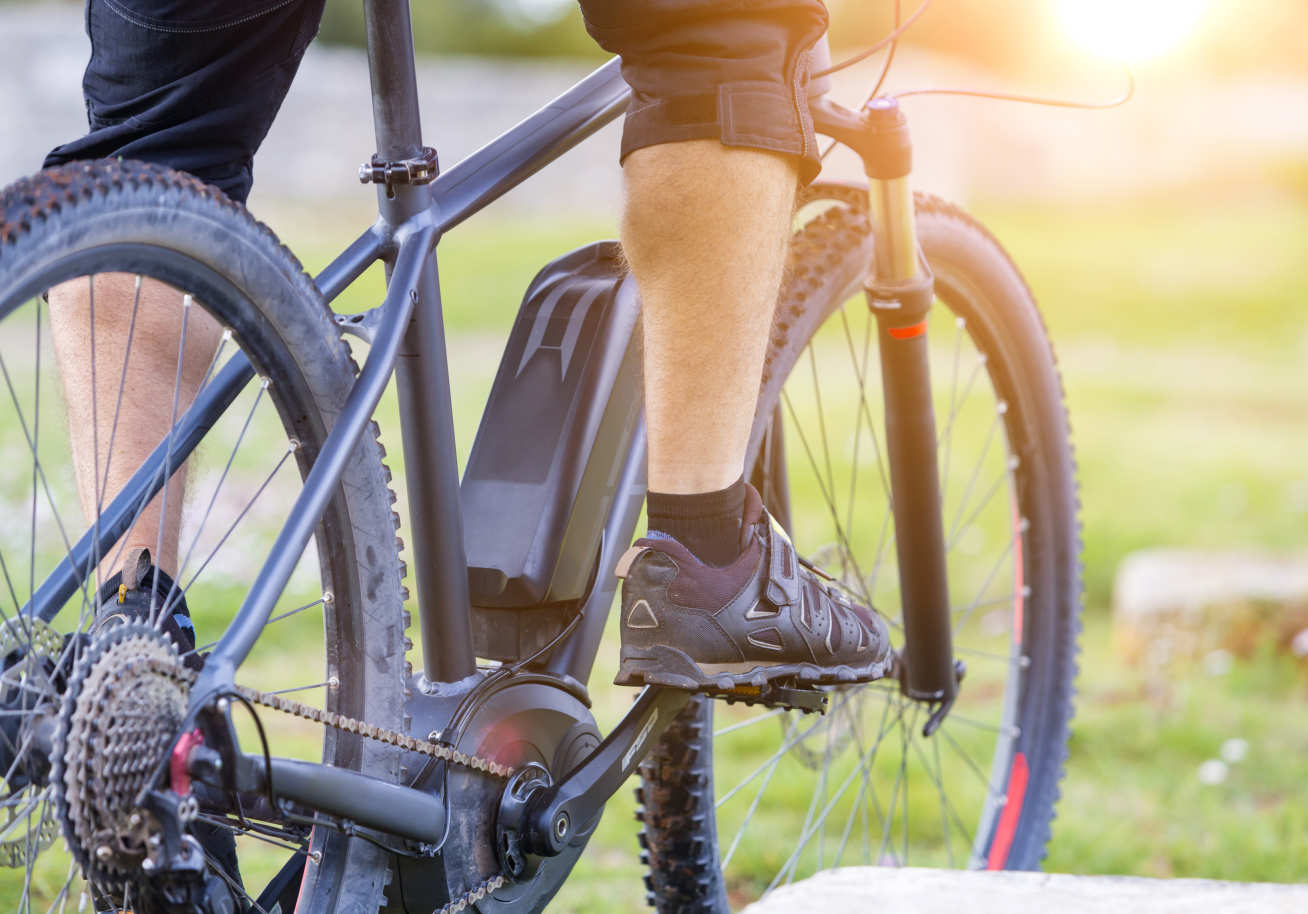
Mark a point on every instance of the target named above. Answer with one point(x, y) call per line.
point(120, 715)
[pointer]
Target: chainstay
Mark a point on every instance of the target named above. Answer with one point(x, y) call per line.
point(404, 741)
point(394, 738)
point(381, 734)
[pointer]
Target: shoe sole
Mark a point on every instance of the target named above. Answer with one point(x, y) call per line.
point(667, 666)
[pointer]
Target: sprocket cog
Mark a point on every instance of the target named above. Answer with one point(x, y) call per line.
point(121, 713)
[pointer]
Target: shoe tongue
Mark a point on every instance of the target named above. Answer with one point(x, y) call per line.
point(136, 567)
point(750, 515)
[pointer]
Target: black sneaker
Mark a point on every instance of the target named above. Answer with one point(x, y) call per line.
point(765, 619)
point(128, 595)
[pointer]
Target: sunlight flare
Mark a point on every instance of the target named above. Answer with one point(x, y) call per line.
point(1131, 30)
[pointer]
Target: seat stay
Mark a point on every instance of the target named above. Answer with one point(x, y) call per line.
point(320, 485)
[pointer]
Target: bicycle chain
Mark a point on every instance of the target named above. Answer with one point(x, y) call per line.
point(403, 741)
point(381, 734)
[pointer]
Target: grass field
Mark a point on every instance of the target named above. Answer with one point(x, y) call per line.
point(1183, 338)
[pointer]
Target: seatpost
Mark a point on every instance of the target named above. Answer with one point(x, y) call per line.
point(900, 293)
point(402, 168)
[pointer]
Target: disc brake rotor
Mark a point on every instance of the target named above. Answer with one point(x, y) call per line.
point(27, 690)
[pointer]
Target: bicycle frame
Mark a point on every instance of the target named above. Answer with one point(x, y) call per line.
point(407, 338)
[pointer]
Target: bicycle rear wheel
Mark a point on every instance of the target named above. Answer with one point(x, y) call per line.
point(115, 233)
point(737, 802)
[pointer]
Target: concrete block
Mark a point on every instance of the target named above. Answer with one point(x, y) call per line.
point(914, 890)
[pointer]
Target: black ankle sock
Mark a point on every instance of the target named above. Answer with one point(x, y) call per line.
point(708, 523)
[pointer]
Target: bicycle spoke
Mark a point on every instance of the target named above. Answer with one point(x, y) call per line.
point(1005, 600)
point(864, 410)
point(946, 808)
point(169, 603)
point(102, 487)
point(946, 435)
point(894, 801)
point(971, 764)
point(217, 867)
point(810, 830)
point(985, 500)
point(989, 579)
point(967, 390)
point(835, 517)
point(866, 766)
point(38, 472)
point(321, 601)
point(976, 470)
point(33, 440)
point(822, 419)
point(241, 516)
point(749, 813)
point(786, 747)
point(303, 688)
point(1015, 660)
point(740, 725)
point(157, 621)
point(858, 428)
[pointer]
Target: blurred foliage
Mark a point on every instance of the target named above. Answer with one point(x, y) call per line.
point(1017, 36)
point(501, 28)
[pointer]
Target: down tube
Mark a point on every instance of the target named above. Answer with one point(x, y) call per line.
point(327, 468)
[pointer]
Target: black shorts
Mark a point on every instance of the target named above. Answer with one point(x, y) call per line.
point(195, 84)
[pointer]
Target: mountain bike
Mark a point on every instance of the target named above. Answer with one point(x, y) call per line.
point(910, 436)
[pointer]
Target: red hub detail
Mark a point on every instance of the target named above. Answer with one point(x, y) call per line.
point(178, 775)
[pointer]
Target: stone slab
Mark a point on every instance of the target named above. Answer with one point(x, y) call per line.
point(1173, 604)
point(913, 890)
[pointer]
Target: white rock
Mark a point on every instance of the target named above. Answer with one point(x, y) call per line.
point(1171, 604)
point(1213, 772)
point(1234, 750)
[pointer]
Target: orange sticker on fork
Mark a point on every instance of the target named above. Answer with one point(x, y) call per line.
point(907, 333)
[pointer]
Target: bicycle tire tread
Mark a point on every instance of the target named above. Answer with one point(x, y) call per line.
point(55, 195)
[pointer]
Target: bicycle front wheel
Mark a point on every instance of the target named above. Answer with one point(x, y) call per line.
point(737, 802)
point(95, 260)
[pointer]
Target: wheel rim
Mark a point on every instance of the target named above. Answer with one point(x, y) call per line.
point(242, 483)
point(863, 786)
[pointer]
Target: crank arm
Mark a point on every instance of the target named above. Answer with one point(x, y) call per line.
point(557, 815)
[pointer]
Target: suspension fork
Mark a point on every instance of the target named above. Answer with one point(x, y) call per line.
point(899, 294)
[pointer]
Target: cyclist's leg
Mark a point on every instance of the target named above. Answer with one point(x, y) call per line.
point(197, 90)
point(716, 137)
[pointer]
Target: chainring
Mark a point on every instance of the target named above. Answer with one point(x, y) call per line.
point(121, 713)
point(513, 720)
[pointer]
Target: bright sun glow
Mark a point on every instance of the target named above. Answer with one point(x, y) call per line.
point(1132, 30)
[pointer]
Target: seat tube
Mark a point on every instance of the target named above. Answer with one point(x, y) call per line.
point(422, 378)
point(900, 295)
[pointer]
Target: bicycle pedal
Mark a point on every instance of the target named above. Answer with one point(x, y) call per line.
point(787, 697)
